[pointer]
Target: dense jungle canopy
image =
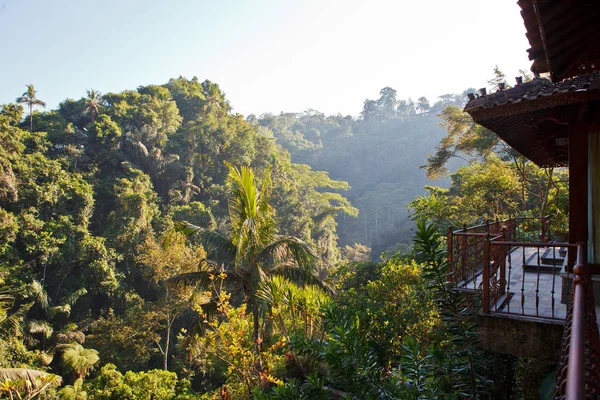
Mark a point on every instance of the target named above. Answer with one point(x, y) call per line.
point(155, 245)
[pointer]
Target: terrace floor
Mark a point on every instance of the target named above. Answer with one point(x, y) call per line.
point(534, 289)
point(531, 291)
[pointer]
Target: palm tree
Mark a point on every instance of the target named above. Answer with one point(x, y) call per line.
point(78, 360)
point(254, 251)
point(92, 104)
point(29, 97)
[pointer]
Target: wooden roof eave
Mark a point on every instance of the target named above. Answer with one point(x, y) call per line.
point(563, 35)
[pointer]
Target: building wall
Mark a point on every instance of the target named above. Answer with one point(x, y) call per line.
point(521, 336)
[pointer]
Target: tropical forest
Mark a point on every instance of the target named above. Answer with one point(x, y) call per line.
point(156, 245)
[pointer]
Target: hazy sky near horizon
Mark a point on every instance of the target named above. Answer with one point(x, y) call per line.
point(266, 55)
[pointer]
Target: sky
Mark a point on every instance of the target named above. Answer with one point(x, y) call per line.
point(266, 55)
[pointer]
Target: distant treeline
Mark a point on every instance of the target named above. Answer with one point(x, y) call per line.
point(378, 154)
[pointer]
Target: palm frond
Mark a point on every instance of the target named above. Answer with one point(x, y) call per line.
point(73, 297)
point(218, 246)
point(286, 248)
point(32, 376)
point(200, 278)
point(66, 338)
point(243, 202)
point(63, 308)
point(12, 323)
point(296, 274)
point(43, 327)
point(248, 238)
point(78, 359)
point(40, 295)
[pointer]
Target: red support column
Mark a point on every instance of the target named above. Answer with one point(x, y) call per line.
point(578, 180)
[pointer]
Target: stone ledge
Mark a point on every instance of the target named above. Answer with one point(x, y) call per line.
point(520, 336)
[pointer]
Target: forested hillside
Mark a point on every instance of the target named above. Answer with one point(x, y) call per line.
point(155, 245)
point(378, 154)
point(88, 191)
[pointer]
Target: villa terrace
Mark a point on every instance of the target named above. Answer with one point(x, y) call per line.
point(515, 265)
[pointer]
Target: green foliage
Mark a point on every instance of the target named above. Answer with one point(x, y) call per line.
point(463, 364)
point(11, 317)
point(226, 352)
point(417, 368)
point(77, 360)
point(296, 310)
point(254, 252)
point(195, 213)
point(73, 392)
point(123, 340)
point(110, 384)
point(353, 364)
point(86, 197)
point(26, 384)
point(494, 189)
point(391, 301)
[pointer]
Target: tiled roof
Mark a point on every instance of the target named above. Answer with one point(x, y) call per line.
point(542, 90)
point(522, 116)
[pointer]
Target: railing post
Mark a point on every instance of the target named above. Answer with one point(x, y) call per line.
point(502, 259)
point(485, 276)
point(513, 229)
point(463, 254)
point(449, 255)
point(576, 362)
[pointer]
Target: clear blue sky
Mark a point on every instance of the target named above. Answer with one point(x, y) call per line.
point(267, 55)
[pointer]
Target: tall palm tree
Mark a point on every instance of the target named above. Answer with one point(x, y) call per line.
point(92, 104)
point(254, 251)
point(29, 97)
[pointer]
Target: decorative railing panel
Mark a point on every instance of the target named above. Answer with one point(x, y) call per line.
point(523, 280)
point(485, 258)
point(465, 246)
point(578, 375)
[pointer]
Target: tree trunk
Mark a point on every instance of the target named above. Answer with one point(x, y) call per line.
point(30, 117)
point(169, 323)
point(257, 338)
point(166, 355)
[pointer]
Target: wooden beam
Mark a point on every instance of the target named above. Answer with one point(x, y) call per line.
point(578, 179)
point(536, 8)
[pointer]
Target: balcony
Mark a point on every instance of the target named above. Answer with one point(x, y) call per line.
point(532, 302)
point(514, 265)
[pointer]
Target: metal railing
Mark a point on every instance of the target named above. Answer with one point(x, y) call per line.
point(485, 257)
point(465, 246)
point(524, 279)
point(578, 375)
